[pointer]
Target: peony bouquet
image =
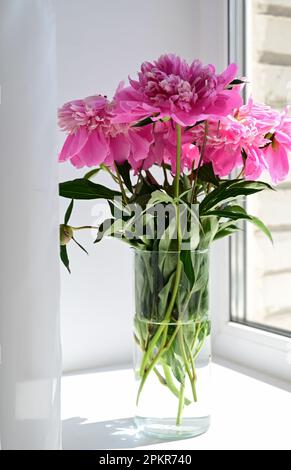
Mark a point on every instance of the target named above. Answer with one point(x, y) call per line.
point(183, 152)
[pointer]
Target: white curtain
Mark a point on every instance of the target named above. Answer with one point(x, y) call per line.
point(30, 360)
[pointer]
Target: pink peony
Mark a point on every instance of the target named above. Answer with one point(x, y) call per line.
point(93, 138)
point(258, 120)
point(245, 131)
point(190, 153)
point(163, 150)
point(170, 87)
point(276, 153)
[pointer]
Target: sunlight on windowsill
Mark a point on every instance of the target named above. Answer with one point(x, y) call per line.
point(246, 414)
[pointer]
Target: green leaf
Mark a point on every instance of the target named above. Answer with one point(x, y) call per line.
point(160, 197)
point(124, 171)
point(235, 82)
point(69, 212)
point(168, 264)
point(104, 227)
point(194, 125)
point(237, 213)
point(226, 232)
point(143, 188)
point(64, 257)
point(261, 226)
point(207, 175)
point(169, 237)
point(80, 246)
point(229, 214)
point(209, 229)
point(229, 191)
point(116, 228)
point(144, 122)
point(175, 362)
point(188, 266)
point(92, 173)
point(85, 189)
point(164, 295)
point(178, 368)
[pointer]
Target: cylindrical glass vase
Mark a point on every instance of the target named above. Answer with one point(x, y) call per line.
point(172, 343)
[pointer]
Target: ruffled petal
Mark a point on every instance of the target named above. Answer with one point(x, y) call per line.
point(77, 162)
point(139, 145)
point(96, 149)
point(283, 138)
point(119, 148)
point(228, 75)
point(255, 164)
point(225, 160)
point(277, 160)
point(73, 144)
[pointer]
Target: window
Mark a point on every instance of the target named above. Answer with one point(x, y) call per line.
point(266, 273)
point(254, 328)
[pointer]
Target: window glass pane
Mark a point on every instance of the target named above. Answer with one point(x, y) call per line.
point(268, 268)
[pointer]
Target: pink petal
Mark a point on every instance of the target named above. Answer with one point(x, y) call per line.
point(255, 164)
point(225, 103)
point(283, 138)
point(277, 160)
point(225, 160)
point(96, 149)
point(139, 145)
point(229, 74)
point(77, 162)
point(74, 144)
point(119, 148)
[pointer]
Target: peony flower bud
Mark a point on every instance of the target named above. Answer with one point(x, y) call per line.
point(66, 234)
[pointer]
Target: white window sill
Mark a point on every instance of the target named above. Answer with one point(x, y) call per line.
point(247, 414)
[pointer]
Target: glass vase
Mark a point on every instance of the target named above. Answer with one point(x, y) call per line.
point(172, 343)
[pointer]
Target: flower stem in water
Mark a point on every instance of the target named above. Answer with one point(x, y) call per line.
point(181, 404)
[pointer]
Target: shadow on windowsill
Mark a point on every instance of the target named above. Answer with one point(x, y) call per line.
point(115, 434)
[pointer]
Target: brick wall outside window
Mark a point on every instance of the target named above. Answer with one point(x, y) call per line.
point(269, 268)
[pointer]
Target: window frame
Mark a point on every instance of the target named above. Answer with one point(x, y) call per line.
point(247, 345)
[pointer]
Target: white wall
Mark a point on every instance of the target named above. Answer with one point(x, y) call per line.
point(100, 42)
point(30, 352)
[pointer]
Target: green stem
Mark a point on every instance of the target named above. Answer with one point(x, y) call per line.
point(85, 227)
point(105, 168)
point(186, 363)
point(162, 380)
point(190, 294)
point(193, 195)
point(171, 385)
point(181, 404)
point(159, 354)
point(198, 328)
point(178, 161)
point(198, 350)
point(124, 196)
point(177, 184)
point(194, 375)
point(163, 325)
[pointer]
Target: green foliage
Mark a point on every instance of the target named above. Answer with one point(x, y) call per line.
point(229, 191)
point(69, 212)
point(144, 122)
point(64, 257)
point(206, 174)
point(92, 173)
point(85, 189)
point(171, 261)
point(219, 212)
point(124, 171)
